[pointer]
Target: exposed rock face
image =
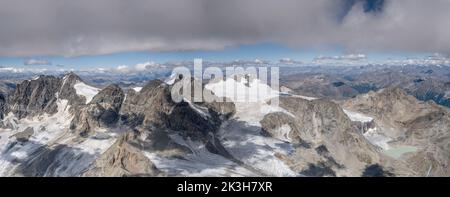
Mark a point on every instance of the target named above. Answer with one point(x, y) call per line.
point(376, 170)
point(110, 99)
point(24, 135)
point(301, 137)
point(274, 123)
point(223, 110)
point(68, 92)
point(387, 103)
point(363, 127)
point(39, 96)
point(3, 105)
point(154, 107)
point(33, 97)
point(408, 121)
point(102, 111)
point(150, 103)
point(123, 159)
point(426, 83)
point(150, 112)
point(325, 137)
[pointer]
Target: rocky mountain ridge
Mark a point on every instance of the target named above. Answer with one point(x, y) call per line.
point(64, 127)
point(407, 123)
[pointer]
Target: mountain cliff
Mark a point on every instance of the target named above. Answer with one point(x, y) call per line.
point(61, 126)
point(414, 131)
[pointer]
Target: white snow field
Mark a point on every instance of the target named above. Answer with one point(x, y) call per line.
point(377, 139)
point(242, 136)
point(357, 117)
point(85, 90)
point(50, 132)
point(137, 89)
point(200, 162)
point(250, 153)
point(250, 98)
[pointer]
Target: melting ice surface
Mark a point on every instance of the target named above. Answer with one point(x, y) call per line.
point(245, 143)
point(242, 138)
point(250, 98)
point(71, 156)
point(379, 139)
point(357, 117)
point(372, 134)
point(85, 90)
point(200, 162)
point(252, 154)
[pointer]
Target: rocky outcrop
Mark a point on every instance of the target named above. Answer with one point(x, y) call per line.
point(3, 105)
point(123, 159)
point(408, 121)
point(34, 97)
point(426, 83)
point(390, 103)
point(24, 135)
point(110, 99)
point(102, 111)
point(39, 96)
point(150, 103)
point(222, 110)
point(363, 127)
point(324, 136)
point(68, 92)
point(154, 108)
point(282, 126)
point(312, 137)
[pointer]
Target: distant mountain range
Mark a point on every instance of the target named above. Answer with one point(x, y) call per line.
point(424, 82)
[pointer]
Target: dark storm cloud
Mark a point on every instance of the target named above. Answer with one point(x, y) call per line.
point(70, 28)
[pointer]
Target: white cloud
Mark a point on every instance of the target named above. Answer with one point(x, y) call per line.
point(435, 60)
point(140, 67)
point(349, 57)
point(147, 66)
point(259, 61)
point(12, 69)
point(36, 62)
point(289, 61)
point(123, 68)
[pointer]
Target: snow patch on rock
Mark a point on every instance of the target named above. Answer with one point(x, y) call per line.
point(246, 144)
point(377, 139)
point(50, 132)
point(357, 117)
point(200, 162)
point(85, 90)
point(251, 99)
point(137, 89)
point(47, 130)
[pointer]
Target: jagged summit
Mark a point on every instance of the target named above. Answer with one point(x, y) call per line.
point(65, 127)
point(40, 95)
point(72, 76)
point(390, 103)
point(101, 111)
point(37, 96)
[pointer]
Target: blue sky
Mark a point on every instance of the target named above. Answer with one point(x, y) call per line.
point(266, 51)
